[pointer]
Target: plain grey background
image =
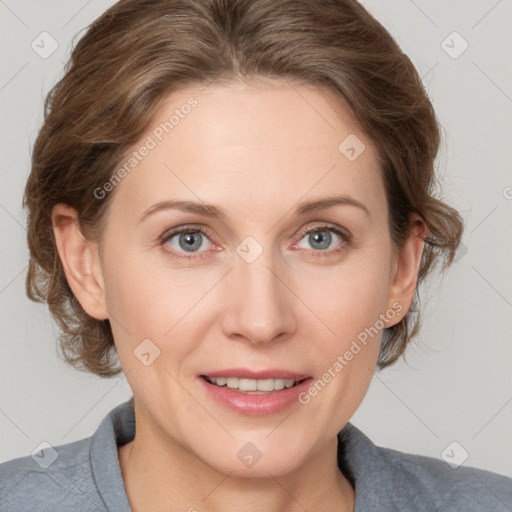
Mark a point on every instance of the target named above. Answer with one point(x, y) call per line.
point(456, 385)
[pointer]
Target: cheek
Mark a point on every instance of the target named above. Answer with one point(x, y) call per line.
point(349, 301)
point(349, 297)
point(149, 298)
point(155, 302)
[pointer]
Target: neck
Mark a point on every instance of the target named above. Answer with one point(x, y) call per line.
point(162, 475)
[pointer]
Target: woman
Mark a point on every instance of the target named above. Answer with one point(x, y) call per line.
point(235, 199)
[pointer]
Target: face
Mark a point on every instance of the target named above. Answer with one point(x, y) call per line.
point(268, 289)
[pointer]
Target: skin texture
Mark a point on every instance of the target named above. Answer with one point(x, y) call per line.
point(255, 151)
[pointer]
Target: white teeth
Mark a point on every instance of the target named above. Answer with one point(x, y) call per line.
point(265, 385)
point(279, 384)
point(231, 383)
point(247, 385)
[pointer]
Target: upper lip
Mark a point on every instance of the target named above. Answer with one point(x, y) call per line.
point(245, 373)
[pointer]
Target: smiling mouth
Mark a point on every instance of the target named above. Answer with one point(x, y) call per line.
point(253, 386)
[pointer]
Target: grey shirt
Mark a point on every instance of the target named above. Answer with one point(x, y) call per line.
point(86, 476)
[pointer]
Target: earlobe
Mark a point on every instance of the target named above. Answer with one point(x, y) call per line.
point(80, 260)
point(404, 278)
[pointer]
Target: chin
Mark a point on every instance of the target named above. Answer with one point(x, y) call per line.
point(251, 459)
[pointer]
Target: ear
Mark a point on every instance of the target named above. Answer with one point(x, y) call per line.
point(80, 260)
point(404, 273)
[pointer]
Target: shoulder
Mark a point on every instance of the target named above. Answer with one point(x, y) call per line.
point(55, 478)
point(466, 487)
point(415, 482)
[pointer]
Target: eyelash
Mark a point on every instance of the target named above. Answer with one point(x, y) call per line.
point(168, 235)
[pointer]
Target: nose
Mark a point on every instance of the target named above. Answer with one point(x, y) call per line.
point(259, 306)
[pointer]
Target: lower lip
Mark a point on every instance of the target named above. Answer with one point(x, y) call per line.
point(256, 404)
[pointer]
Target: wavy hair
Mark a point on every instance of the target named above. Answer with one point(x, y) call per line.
point(139, 51)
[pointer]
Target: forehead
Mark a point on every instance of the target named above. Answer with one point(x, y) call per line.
point(257, 143)
point(267, 115)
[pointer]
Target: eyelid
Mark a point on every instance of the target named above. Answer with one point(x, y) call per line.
point(319, 225)
point(193, 228)
point(206, 231)
point(188, 228)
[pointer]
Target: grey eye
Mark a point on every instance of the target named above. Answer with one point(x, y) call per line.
point(188, 241)
point(320, 239)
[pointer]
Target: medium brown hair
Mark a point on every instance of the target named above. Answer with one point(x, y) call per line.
point(139, 51)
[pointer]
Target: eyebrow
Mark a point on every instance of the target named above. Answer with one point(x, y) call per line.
point(210, 210)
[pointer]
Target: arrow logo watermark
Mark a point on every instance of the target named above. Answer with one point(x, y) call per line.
point(249, 249)
point(44, 455)
point(146, 352)
point(249, 455)
point(352, 147)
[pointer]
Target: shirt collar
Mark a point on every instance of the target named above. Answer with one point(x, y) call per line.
point(116, 429)
point(357, 459)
